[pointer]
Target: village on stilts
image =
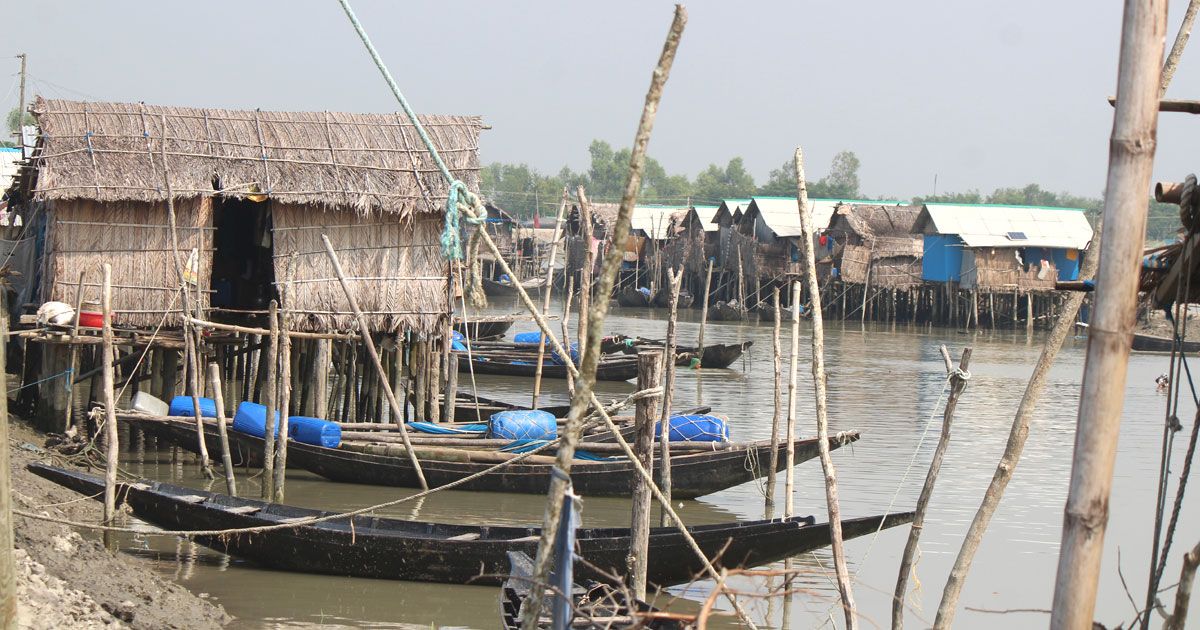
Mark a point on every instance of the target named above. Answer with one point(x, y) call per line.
point(313, 366)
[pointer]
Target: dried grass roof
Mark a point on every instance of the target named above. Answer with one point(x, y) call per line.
point(367, 162)
point(869, 221)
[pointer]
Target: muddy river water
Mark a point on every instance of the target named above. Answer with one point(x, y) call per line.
point(884, 382)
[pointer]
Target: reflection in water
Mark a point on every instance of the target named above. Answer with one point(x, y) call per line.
point(886, 383)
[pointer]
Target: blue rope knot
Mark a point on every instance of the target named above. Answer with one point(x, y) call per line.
point(452, 234)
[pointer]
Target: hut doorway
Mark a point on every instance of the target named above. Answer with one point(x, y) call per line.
point(243, 270)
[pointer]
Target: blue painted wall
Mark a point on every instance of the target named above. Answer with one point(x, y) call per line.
point(942, 259)
point(1068, 267)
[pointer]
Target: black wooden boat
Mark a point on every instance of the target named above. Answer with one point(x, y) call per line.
point(633, 298)
point(730, 311)
point(471, 408)
point(662, 299)
point(693, 474)
point(503, 289)
point(1155, 343)
point(595, 605)
point(718, 355)
point(484, 328)
point(515, 364)
point(389, 548)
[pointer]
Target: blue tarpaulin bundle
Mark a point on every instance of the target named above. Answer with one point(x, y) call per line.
point(696, 429)
point(526, 424)
point(182, 406)
point(528, 337)
point(441, 429)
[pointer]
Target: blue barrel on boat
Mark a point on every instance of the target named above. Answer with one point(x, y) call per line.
point(696, 429)
point(251, 419)
point(523, 424)
point(182, 406)
point(314, 431)
point(528, 337)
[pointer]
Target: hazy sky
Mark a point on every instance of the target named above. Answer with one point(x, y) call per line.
point(982, 94)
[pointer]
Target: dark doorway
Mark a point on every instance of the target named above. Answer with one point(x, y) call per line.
point(243, 273)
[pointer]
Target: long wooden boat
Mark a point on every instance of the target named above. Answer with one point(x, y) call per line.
point(727, 312)
point(594, 605)
point(632, 298)
point(472, 408)
point(718, 355)
point(502, 289)
point(389, 548)
point(508, 364)
point(662, 299)
point(1155, 343)
point(484, 328)
point(693, 474)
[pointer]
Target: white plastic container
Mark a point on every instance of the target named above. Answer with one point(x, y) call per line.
point(146, 403)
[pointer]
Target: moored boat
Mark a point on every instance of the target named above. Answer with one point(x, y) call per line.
point(1154, 343)
point(501, 289)
point(390, 548)
point(730, 311)
point(634, 297)
point(525, 364)
point(719, 355)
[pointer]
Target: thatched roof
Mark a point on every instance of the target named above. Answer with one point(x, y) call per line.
point(368, 162)
point(875, 220)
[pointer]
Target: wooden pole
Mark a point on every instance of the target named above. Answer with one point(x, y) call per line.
point(110, 402)
point(585, 278)
point(214, 377)
point(1183, 594)
point(645, 413)
point(586, 378)
point(818, 371)
point(284, 399)
point(1181, 39)
point(676, 281)
point(271, 390)
point(74, 362)
point(773, 465)
point(958, 382)
point(450, 400)
point(546, 291)
point(8, 575)
point(704, 303)
point(566, 324)
point(789, 483)
point(1131, 159)
point(366, 335)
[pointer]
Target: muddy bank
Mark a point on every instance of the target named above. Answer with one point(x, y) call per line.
point(95, 587)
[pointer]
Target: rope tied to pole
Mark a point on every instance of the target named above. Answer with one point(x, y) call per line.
point(459, 202)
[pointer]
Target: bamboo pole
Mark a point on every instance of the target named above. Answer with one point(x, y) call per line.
point(547, 289)
point(284, 398)
point(1183, 594)
point(1181, 39)
point(585, 277)
point(566, 324)
point(676, 282)
point(789, 483)
point(645, 413)
point(704, 304)
point(110, 403)
point(214, 377)
point(367, 341)
point(818, 370)
point(73, 365)
point(958, 382)
point(1131, 160)
point(773, 462)
point(591, 350)
point(271, 390)
point(8, 574)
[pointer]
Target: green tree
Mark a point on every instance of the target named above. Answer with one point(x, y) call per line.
point(969, 197)
point(840, 183)
point(715, 183)
point(14, 115)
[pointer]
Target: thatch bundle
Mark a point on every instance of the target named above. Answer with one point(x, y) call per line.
point(395, 269)
point(366, 162)
point(135, 238)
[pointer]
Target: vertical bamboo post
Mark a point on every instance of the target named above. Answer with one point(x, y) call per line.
point(110, 402)
point(73, 365)
point(214, 377)
point(366, 335)
point(1029, 312)
point(773, 467)
point(284, 398)
point(675, 280)
point(321, 386)
point(449, 401)
point(271, 390)
point(645, 413)
point(546, 290)
point(789, 483)
point(1131, 160)
point(566, 324)
point(704, 304)
point(958, 382)
point(818, 371)
point(8, 574)
point(585, 278)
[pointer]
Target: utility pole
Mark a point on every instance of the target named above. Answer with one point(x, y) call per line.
point(21, 108)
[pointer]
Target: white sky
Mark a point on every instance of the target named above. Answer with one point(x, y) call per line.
point(983, 94)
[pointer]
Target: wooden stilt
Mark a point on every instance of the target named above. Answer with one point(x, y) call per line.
point(214, 377)
point(645, 413)
point(107, 356)
point(668, 371)
point(773, 462)
point(272, 389)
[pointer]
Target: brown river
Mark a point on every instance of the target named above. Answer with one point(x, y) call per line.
point(885, 382)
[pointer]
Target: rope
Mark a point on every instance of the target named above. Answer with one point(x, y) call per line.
point(61, 374)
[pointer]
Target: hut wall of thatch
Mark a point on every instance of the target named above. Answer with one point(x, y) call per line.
point(856, 260)
point(998, 268)
point(135, 238)
point(395, 268)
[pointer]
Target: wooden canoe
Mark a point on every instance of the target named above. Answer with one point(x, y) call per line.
point(662, 299)
point(518, 364)
point(726, 312)
point(508, 289)
point(718, 355)
point(390, 548)
point(1155, 343)
point(633, 298)
point(483, 329)
point(692, 474)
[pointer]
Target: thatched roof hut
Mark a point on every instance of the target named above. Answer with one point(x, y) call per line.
point(253, 191)
point(878, 241)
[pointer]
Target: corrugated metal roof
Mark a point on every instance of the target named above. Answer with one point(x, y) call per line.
point(1003, 226)
point(9, 166)
point(782, 214)
point(730, 208)
point(706, 214)
point(654, 221)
